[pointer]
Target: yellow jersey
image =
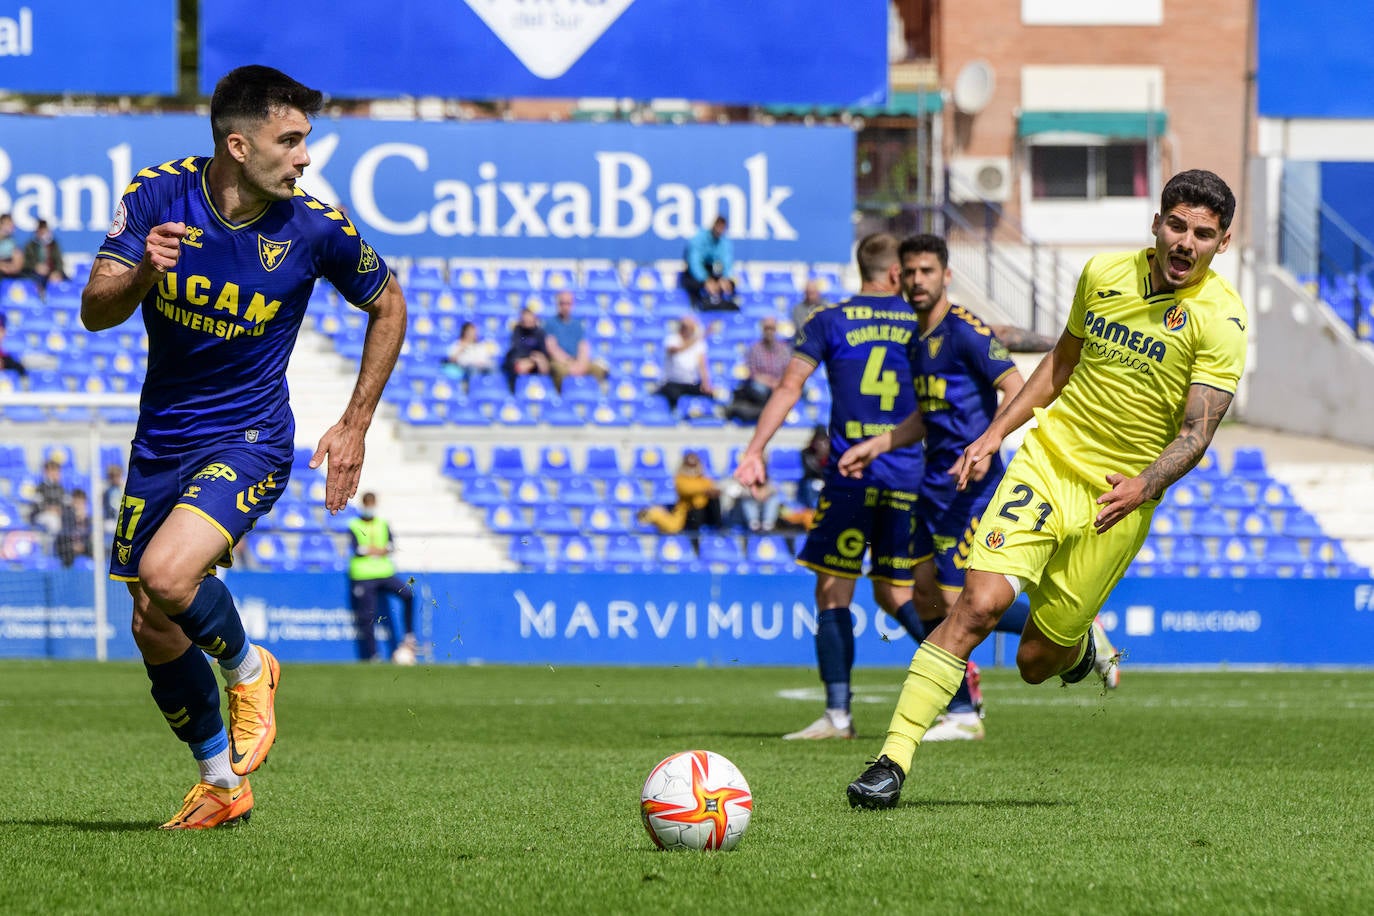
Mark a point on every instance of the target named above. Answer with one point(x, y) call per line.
point(1142, 349)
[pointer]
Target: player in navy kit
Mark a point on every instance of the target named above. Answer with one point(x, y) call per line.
point(959, 367)
point(862, 343)
point(222, 253)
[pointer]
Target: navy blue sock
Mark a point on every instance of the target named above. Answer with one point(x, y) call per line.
point(835, 653)
point(1085, 664)
point(186, 691)
point(911, 621)
point(212, 623)
point(1014, 619)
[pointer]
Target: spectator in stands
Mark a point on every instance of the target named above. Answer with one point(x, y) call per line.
point(815, 457)
point(528, 353)
point(698, 501)
point(470, 355)
point(707, 278)
point(74, 536)
point(11, 255)
point(43, 256)
point(809, 302)
point(113, 494)
point(766, 361)
point(570, 353)
point(8, 361)
point(757, 505)
point(371, 573)
point(49, 499)
point(684, 363)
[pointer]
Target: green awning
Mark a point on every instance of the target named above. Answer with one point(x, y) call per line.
point(899, 105)
point(1125, 124)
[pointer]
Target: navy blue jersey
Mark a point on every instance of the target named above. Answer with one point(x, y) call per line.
point(958, 364)
point(863, 343)
point(222, 325)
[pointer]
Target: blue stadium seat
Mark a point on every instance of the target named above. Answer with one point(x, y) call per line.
point(1248, 463)
point(652, 410)
point(1186, 494)
point(626, 493)
point(602, 520)
point(1284, 556)
point(507, 461)
point(720, 553)
point(1210, 522)
point(482, 491)
point(561, 413)
point(554, 279)
point(505, 518)
point(768, 554)
point(604, 280)
point(579, 491)
point(605, 413)
point(319, 553)
point(1299, 523)
point(649, 463)
point(537, 388)
point(514, 279)
point(1232, 494)
point(1166, 521)
point(555, 518)
point(511, 412)
point(603, 463)
point(532, 492)
point(625, 554)
point(581, 389)
point(1276, 496)
point(785, 465)
point(1255, 524)
point(1208, 469)
point(468, 278)
point(674, 553)
point(460, 462)
point(700, 411)
point(290, 514)
point(555, 462)
point(425, 277)
point(575, 553)
point(529, 551)
point(662, 492)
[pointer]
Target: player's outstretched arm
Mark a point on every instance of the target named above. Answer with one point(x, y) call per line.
point(343, 443)
point(859, 456)
point(1202, 413)
point(114, 290)
point(780, 404)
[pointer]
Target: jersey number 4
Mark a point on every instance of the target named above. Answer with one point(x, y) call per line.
point(877, 382)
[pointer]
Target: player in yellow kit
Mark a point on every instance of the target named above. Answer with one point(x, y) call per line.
point(1126, 403)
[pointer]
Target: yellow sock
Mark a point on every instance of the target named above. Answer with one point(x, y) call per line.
point(931, 680)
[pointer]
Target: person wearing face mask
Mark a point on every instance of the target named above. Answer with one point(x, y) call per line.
point(372, 574)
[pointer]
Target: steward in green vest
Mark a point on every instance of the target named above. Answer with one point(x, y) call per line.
point(371, 575)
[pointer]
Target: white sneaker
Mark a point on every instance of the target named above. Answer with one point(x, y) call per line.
point(405, 652)
point(827, 726)
point(1108, 663)
point(956, 726)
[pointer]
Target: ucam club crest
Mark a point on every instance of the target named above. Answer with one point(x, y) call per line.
point(549, 37)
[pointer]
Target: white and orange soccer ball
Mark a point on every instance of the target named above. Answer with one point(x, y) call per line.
point(696, 800)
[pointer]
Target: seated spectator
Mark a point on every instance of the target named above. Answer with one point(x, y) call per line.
point(49, 499)
point(8, 361)
point(815, 457)
point(11, 255)
point(698, 501)
point(684, 362)
point(766, 361)
point(74, 536)
point(528, 353)
point(570, 353)
point(43, 256)
point(469, 355)
point(755, 507)
point(710, 258)
point(113, 494)
point(809, 302)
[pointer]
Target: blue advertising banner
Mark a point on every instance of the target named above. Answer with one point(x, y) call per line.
point(608, 619)
point(89, 46)
point(493, 189)
point(1314, 59)
point(812, 52)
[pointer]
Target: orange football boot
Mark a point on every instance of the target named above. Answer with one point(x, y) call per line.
point(252, 717)
point(207, 806)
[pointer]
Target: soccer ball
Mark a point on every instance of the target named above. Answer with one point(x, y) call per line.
point(696, 800)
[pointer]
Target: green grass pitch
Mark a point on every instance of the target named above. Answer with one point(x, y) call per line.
point(515, 790)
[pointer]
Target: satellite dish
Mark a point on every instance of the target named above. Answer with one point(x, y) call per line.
point(973, 86)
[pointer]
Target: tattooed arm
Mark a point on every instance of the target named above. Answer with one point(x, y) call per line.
point(1019, 340)
point(1201, 415)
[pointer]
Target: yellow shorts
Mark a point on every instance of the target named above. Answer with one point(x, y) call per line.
point(1039, 526)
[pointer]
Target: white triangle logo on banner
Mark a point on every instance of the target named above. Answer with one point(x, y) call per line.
point(548, 38)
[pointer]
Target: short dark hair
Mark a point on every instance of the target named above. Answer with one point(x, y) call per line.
point(248, 95)
point(1200, 188)
point(925, 243)
point(875, 254)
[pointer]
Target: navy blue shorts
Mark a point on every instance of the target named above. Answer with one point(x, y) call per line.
point(229, 485)
point(946, 520)
point(853, 517)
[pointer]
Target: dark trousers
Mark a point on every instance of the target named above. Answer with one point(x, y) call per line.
point(367, 596)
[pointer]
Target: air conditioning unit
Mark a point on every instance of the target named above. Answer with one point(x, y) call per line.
point(975, 178)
